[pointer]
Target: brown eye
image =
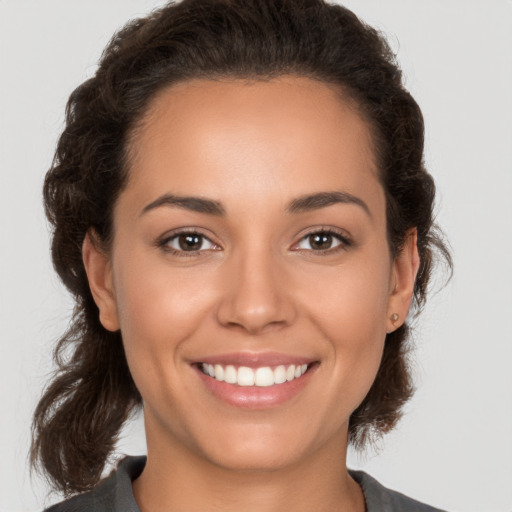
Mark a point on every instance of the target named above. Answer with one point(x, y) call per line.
point(320, 241)
point(190, 242)
point(323, 241)
point(187, 242)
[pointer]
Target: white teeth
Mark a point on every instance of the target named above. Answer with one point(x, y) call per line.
point(219, 372)
point(261, 377)
point(230, 375)
point(245, 376)
point(264, 377)
point(280, 374)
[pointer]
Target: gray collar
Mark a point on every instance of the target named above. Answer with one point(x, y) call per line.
point(115, 494)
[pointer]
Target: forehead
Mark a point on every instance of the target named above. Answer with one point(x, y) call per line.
point(290, 135)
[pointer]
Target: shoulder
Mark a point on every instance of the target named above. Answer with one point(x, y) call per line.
point(381, 499)
point(113, 494)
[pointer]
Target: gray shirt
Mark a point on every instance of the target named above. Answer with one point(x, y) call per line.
point(114, 494)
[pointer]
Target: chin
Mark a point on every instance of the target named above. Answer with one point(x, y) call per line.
point(257, 449)
point(247, 460)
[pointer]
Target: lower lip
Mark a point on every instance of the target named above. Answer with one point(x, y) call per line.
point(255, 397)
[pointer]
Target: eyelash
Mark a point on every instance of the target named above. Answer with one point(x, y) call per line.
point(164, 243)
point(344, 242)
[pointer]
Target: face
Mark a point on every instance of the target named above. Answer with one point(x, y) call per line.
point(250, 245)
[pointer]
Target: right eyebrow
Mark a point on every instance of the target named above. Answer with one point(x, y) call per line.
point(195, 204)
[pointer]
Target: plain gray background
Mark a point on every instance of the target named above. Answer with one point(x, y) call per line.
point(454, 447)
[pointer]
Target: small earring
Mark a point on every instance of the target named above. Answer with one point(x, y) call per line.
point(394, 318)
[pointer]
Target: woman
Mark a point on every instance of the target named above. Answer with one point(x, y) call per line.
point(241, 212)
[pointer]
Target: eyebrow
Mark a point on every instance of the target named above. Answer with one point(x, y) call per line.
point(323, 199)
point(301, 204)
point(195, 204)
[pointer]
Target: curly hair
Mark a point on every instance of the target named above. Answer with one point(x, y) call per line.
point(92, 394)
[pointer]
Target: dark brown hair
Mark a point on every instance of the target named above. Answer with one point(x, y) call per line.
point(92, 394)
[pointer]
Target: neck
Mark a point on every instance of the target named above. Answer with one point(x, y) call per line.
point(177, 479)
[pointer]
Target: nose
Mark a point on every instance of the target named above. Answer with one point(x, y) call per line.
point(256, 294)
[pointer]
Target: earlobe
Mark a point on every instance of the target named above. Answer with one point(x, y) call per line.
point(405, 269)
point(99, 273)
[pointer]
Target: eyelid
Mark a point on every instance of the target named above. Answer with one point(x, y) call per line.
point(342, 236)
point(163, 241)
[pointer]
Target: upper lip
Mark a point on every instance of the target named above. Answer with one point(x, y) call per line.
point(255, 359)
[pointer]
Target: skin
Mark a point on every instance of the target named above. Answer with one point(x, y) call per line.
point(260, 285)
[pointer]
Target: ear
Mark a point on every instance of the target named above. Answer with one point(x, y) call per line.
point(99, 273)
point(403, 277)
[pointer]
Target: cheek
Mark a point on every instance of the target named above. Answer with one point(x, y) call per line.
point(349, 309)
point(354, 322)
point(351, 300)
point(158, 309)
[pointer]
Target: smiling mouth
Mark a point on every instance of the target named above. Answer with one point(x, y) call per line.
point(263, 376)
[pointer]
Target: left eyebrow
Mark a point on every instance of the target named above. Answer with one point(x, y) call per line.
point(322, 200)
